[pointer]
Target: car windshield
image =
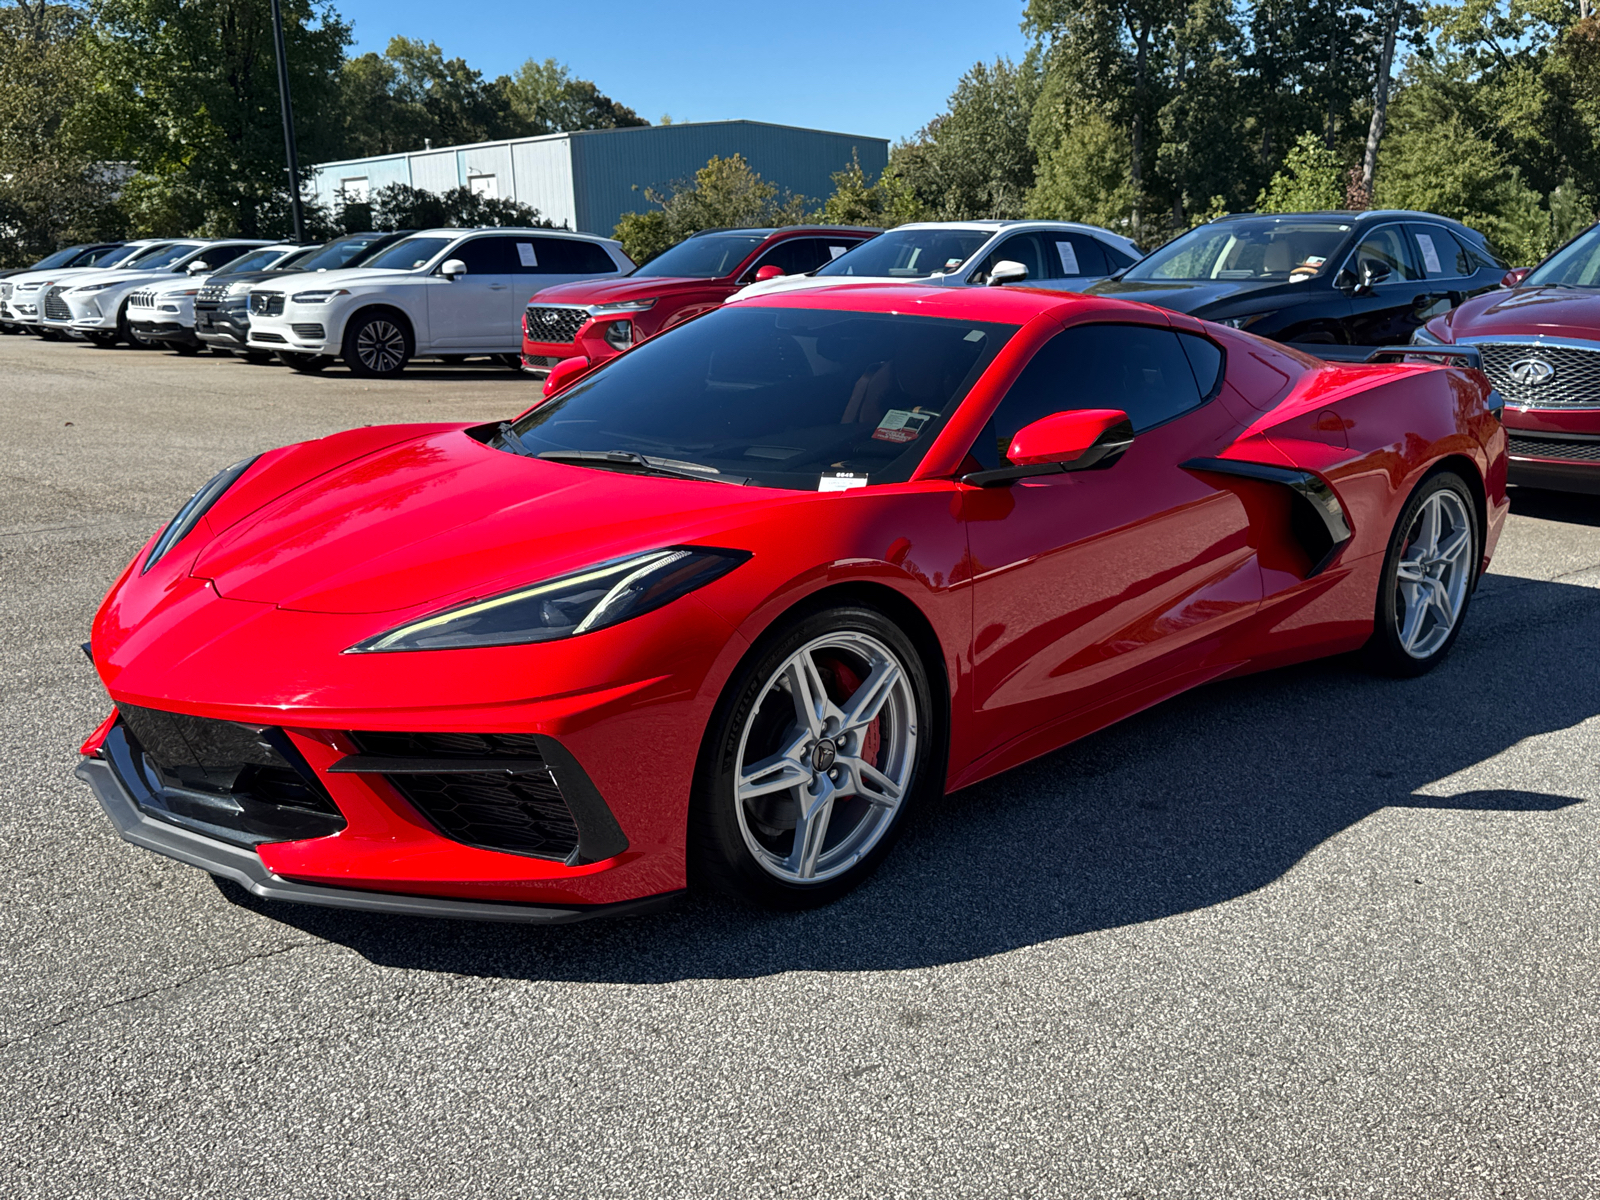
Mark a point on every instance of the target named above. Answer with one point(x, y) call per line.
point(59, 259)
point(909, 253)
point(809, 399)
point(161, 256)
point(1574, 265)
point(408, 254)
point(256, 260)
point(108, 256)
point(340, 253)
point(709, 256)
point(1262, 248)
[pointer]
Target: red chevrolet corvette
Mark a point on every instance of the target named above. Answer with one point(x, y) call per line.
point(722, 612)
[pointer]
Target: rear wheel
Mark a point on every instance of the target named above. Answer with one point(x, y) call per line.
point(306, 364)
point(377, 346)
point(821, 744)
point(1428, 577)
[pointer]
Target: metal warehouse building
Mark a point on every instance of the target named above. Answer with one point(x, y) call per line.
point(587, 179)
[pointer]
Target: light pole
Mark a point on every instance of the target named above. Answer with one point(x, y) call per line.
point(288, 124)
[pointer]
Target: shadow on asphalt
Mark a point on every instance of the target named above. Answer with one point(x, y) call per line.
point(1196, 802)
point(1570, 507)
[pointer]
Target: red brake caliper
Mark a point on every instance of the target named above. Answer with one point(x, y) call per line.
point(844, 684)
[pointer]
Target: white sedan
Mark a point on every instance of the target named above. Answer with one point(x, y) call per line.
point(1059, 255)
point(96, 305)
point(441, 293)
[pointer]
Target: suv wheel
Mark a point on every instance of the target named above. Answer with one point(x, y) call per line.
point(377, 346)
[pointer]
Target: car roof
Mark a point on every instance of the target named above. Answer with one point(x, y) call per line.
point(449, 231)
point(790, 229)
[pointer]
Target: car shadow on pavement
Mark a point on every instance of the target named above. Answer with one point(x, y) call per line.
point(1571, 508)
point(1194, 803)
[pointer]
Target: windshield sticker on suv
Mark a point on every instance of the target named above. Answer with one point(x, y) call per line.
point(901, 425)
point(526, 254)
point(841, 481)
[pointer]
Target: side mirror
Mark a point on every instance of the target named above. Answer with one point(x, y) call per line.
point(770, 271)
point(1006, 271)
point(563, 373)
point(1514, 278)
point(453, 269)
point(1064, 441)
point(1373, 272)
point(197, 266)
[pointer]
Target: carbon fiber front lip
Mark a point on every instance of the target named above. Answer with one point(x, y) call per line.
point(245, 868)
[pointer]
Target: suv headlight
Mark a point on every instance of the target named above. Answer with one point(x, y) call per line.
point(195, 508)
point(597, 597)
point(318, 297)
point(621, 306)
point(91, 287)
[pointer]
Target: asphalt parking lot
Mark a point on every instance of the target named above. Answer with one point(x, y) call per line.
point(1310, 934)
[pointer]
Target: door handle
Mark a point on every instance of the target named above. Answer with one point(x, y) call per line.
point(498, 287)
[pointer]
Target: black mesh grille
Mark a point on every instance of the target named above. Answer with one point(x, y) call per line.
point(515, 814)
point(1568, 449)
point(550, 324)
point(1573, 380)
point(55, 308)
point(243, 783)
point(308, 333)
point(276, 338)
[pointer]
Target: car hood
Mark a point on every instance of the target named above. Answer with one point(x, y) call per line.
point(441, 518)
point(64, 275)
point(614, 291)
point(1526, 312)
point(128, 278)
point(806, 283)
point(1209, 298)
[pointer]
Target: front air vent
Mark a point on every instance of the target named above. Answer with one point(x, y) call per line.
point(308, 333)
point(1569, 448)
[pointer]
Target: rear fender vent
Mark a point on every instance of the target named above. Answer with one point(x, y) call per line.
point(1316, 518)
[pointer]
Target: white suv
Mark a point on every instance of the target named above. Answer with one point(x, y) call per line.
point(163, 313)
point(96, 305)
point(27, 288)
point(441, 293)
point(1060, 255)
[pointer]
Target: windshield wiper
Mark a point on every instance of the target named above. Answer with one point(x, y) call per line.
point(628, 458)
point(512, 440)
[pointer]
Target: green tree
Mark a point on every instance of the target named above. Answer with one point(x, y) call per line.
point(401, 206)
point(1086, 176)
point(1312, 179)
point(724, 194)
point(187, 90)
point(548, 99)
point(883, 204)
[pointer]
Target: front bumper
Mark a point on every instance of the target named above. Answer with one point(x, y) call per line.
point(1554, 448)
point(300, 330)
point(245, 867)
point(164, 331)
point(225, 327)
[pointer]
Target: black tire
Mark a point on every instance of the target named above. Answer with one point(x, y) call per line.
point(306, 364)
point(1445, 585)
point(377, 345)
point(739, 849)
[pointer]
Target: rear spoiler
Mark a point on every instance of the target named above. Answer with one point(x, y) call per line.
point(1460, 356)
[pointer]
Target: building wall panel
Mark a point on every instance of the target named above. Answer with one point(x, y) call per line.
point(542, 171)
point(436, 170)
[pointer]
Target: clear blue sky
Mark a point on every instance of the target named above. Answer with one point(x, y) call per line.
point(879, 67)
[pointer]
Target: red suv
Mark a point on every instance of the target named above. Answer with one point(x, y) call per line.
point(600, 318)
point(1540, 341)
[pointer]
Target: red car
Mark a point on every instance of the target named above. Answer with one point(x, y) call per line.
point(600, 318)
point(1540, 342)
point(724, 611)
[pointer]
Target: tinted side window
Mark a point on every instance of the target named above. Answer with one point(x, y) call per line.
point(1139, 369)
point(1205, 360)
point(221, 255)
point(797, 256)
point(1116, 258)
point(487, 256)
point(1385, 245)
point(561, 256)
point(1024, 248)
point(1442, 256)
point(1076, 254)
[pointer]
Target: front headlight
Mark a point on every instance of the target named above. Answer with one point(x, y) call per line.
point(195, 508)
point(1421, 337)
point(91, 287)
point(318, 297)
point(621, 306)
point(594, 598)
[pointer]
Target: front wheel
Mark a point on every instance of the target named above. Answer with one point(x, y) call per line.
point(377, 346)
point(1428, 577)
point(306, 364)
point(820, 746)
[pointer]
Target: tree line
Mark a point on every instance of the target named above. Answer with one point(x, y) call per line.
point(1144, 116)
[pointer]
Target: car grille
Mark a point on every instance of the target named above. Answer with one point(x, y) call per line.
point(1570, 449)
point(143, 298)
point(522, 813)
point(245, 784)
point(55, 308)
point(276, 338)
point(211, 291)
point(308, 333)
point(1574, 383)
point(266, 304)
point(550, 324)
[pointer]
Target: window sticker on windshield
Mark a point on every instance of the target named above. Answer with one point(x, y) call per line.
point(526, 254)
point(1069, 258)
point(1430, 256)
point(950, 264)
point(841, 481)
point(901, 425)
point(975, 336)
point(835, 251)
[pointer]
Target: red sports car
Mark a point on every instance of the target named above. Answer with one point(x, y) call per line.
point(1540, 343)
point(598, 319)
point(722, 612)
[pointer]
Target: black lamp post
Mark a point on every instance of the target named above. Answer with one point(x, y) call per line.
point(288, 124)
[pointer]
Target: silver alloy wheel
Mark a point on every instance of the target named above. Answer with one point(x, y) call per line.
point(381, 346)
point(833, 733)
point(1433, 573)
